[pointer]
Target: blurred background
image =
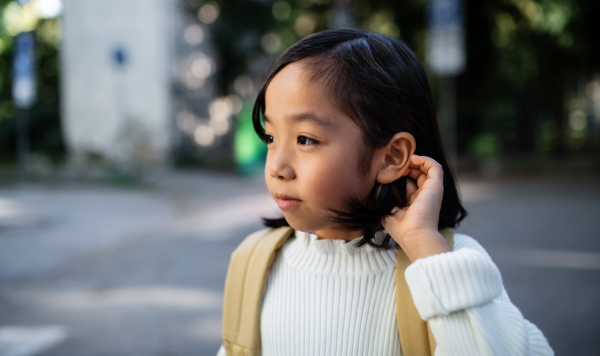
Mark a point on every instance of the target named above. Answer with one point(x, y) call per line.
point(129, 168)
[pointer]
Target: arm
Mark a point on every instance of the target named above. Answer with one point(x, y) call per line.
point(460, 294)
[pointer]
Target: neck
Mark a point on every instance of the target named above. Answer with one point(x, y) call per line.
point(338, 234)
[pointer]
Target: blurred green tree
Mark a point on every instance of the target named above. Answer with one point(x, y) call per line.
point(45, 133)
point(524, 58)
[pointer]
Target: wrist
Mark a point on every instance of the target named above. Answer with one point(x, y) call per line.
point(424, 244)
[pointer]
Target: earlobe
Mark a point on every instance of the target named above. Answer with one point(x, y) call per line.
point(395, 158)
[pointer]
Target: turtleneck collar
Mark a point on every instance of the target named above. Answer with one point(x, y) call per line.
point(338, 257)
point(332, 246)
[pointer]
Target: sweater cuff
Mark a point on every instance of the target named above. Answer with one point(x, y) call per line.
point(453, 281)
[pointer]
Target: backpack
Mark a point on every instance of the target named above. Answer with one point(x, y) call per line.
point(247, 278)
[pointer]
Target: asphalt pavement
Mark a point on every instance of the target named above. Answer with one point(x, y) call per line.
point(97, 269)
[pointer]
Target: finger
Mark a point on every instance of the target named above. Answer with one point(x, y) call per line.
point(424, 163)
point(428, 166)
point(418, 176)
point(411, 191)
point(414, 173)
point(411, 188)
point(422, 179)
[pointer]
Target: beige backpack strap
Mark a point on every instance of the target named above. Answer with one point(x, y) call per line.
point(244, 289)
point(416, 338)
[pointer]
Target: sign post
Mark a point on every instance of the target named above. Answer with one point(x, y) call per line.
point(23, 90)
point(446, 59)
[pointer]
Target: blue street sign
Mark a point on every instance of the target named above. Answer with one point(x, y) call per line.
point(444, 13)
point(120, 57)
point(24, 70)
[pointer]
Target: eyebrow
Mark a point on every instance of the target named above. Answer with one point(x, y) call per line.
point(305, 116)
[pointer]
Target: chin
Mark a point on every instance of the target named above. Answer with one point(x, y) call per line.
point(303, 225)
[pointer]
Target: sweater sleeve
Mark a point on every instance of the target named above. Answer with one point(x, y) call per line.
point(460, 294)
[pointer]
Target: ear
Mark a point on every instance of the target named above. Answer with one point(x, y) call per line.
point(394, 158)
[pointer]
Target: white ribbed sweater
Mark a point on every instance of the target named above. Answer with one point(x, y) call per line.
point(328, 297)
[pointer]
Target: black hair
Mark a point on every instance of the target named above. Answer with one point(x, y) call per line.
point(378, 82)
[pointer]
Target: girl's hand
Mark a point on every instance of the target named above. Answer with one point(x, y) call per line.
point(415, 227)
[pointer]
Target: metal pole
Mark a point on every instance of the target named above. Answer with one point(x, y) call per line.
point(22, 125)
point(448, 116)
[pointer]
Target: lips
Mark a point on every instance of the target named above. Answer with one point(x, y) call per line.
point(286, 202)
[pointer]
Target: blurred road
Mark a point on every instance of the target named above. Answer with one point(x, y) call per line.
point(101, 270)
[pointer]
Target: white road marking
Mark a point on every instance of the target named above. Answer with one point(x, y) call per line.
point(29, 341)
point(80, 298)
point(549, 258)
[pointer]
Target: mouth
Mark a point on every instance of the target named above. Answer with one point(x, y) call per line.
point(286, 202)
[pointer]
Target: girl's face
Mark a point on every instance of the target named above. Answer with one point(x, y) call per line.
point(313, 154)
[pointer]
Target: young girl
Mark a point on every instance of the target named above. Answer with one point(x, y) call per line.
point(354, 157)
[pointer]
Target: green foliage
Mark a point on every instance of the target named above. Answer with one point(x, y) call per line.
point(45, 135)
point(485, 144)
point(523, 56)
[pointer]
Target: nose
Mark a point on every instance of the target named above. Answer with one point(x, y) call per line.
point(280, 165)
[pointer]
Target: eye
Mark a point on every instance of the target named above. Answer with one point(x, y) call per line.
point(303, 140)
point(269, 139)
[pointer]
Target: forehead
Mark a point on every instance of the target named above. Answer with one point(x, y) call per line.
point(293, 94)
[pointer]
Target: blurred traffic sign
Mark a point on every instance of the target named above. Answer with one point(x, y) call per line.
point(120, 57)
point(445, 37)
point(24, 70)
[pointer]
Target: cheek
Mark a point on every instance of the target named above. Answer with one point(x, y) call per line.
point(338, 179)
